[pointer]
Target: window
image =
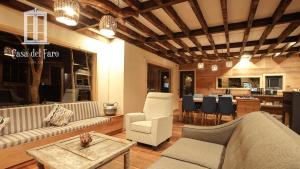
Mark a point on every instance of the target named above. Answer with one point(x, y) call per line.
point(274, 82)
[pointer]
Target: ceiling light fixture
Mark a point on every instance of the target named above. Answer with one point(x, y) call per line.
point(108, 26)
point(214, 68)
point(200, 65)
point(67, 11)
point(229, 62)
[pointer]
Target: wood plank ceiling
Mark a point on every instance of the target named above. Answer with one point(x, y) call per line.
point(187, 31)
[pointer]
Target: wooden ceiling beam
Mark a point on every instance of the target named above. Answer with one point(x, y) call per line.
point(290, 44)
point(198, 45)
point(225, 21)
point(141, 38)
point(161, 26)
point(196, 8)
point(175, 17)
point(288, 18)
point(91, 12)
point(137, 24)
point(252, 12)
point(131, 32)
point(151, 5)
point(285, 33)
point(134, 4)
point(145, 47)
point(275, 18)
point(240, 44)
point(141, 27)
point(262, 52)
point(111, 7)
point(156, 22)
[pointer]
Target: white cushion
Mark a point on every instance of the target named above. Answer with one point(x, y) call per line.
point(141, 126)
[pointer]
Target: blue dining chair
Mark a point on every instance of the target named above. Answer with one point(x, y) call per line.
point(209, 106)
point(225, 107)
point(188, 107)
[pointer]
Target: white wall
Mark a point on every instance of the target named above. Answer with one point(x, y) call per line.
point(135, 76)
point(110, 65)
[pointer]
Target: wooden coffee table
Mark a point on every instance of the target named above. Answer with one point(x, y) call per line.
point(68, 154)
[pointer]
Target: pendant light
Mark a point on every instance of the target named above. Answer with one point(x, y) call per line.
point(200, 65)
point(214, 68)
point(108, 26)
point(67, 11)
point(229, 63)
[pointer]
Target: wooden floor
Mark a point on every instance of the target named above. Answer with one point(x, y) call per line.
point(142, 156)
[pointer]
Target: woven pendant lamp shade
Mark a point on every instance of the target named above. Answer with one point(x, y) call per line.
point(67, 11)
point(108, 26)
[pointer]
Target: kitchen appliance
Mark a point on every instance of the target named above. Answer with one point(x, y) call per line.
point(110, 109)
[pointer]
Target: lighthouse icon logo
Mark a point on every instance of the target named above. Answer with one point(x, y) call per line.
point(35, 27)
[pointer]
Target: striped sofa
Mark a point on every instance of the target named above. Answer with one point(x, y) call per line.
point(27, 123)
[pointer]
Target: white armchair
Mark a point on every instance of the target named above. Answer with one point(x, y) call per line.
point(154, 125)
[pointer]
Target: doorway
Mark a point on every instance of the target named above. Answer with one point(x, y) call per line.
point(158, 79)
point(187, 83)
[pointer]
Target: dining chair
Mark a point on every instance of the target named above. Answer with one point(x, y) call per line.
point(209, 106)
point(188, 108)
point(225, 107)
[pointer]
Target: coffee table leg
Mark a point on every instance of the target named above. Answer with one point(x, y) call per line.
point(40, 165)
point(127, 160)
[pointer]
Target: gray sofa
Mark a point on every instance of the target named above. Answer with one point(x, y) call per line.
point(256, 141)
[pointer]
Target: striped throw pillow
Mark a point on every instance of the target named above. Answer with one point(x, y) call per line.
point(59, 116)
point(3, 122)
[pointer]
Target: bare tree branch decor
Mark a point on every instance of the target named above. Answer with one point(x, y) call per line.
point(36, 71)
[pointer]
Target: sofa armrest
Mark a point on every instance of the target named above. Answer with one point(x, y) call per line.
point(133, 117)
point(215, 134)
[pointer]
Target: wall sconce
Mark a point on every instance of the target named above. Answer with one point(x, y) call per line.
point(214, 68)
point(200, 65)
